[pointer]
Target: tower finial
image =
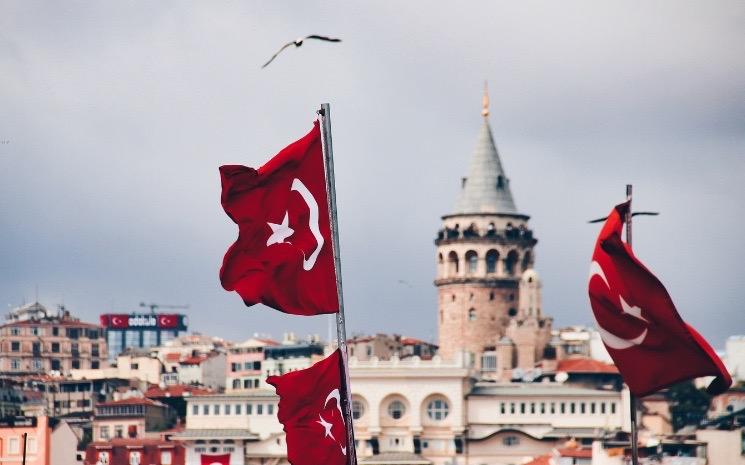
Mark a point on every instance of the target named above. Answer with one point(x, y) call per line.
point(485, 101)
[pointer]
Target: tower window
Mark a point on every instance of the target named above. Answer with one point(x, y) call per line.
point(491, 295)
point(452, 263)
point(492, 257)
point(500, 182)
point(472, 260)
point(509, 263)
point(452, 297)
point(472, 314)
point(512, 311)
point(526, 261)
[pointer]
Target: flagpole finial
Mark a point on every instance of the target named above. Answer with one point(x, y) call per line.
point(485, 101)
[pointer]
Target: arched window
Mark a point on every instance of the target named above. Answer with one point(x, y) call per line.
point(526, 260)
point(472, 260)
point(492, 257)
point(438, 409)
point(452, 264)
point(472, 314)
point(439, 259)
point(396, 409)
point(509, 263)
point(358, 409)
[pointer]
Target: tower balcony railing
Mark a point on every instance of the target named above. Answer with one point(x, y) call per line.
point(509, 235)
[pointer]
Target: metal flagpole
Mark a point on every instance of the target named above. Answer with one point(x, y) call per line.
point(341, 331)
point(632, 397)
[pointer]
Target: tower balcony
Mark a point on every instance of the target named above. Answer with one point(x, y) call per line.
point(510, 282)
point(522, 236)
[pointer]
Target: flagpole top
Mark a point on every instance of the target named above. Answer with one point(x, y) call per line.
point(485, 101)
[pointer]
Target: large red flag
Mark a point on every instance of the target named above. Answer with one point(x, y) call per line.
point(646, 337)
point(283, 256)
point(311, 412)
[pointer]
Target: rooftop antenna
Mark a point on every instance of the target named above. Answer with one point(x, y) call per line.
point(485, 100)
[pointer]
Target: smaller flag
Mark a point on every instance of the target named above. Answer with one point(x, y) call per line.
point(311, 411)
point(648, 340)
point(221, 459)
point(283, 257)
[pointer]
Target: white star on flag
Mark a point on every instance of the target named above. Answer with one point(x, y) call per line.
point(327, 426)
point(280, 232)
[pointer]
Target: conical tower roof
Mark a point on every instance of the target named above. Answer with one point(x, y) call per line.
point(486, 189)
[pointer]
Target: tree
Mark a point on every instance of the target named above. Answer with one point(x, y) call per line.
point(688, 405)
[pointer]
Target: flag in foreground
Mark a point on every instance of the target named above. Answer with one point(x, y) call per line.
point(283, 256)
point(646, 337)
point(310, 410)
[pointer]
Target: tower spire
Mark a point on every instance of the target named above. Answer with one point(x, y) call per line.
point(485, 100)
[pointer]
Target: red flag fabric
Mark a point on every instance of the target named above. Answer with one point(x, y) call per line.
point(283, 257)
point(311, 412)
point(221, 459)
point(648, 340)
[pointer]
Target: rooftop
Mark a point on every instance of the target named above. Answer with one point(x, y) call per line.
point(537, 389)
point(487, 188)
point(585, 365)
point(177, 390)
point(131, 401)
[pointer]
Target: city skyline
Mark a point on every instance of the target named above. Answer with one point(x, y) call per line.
point(113, 131)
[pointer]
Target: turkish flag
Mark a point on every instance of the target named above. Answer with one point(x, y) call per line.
point(283, 257)
point(117, 321)
point(311, 412)
point(648, 340)
point(167, 321)
point(221, 459)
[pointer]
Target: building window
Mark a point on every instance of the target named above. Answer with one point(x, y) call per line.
point(15, 364)
point(437, 409)
point(246, 383)
point(473, 261)
point(543, 407)
point(237, 409)
point(76, 364)
point(532, 407)
point(612, 407)
point(249, 409)
point(562, 407)
point(492, 257)
point(15, 331)
point(592, 407)
point(205, 409)
point(502, 408)
point(452, 264)
point(13, 446)
point(602, 407)
point(37, 365)
point(572, 407)
point(135, 457)
point(55, 347)
point(227, 409)
point(270, 409)
point(512, 407)
point(118, 431)
point(103, 457)
point(95, 364)
point(396, 409)
point(489, 362)
point(195, 410)
point(15, 346)
point(259, 409)
point(134, 366)
point(553, 407)
point(216, 409)
point(472, 314)
point(582, 407)
point(509, 262)
point(358, 409)
point(522, 407)
point(510, 441)
point(165, 457)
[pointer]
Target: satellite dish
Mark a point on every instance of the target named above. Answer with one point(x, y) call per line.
point(561, 377)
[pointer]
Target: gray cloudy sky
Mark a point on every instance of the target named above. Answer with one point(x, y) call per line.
point(114, 117)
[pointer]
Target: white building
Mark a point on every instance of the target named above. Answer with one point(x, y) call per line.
point(734, 357)
point(204, 369)
point(243, 425)
point(411, 406)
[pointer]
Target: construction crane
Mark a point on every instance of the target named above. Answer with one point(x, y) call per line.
point(153, 306)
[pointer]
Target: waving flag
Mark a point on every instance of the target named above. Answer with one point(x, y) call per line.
point(311, 411)
point(646, 337)
point(283, 257)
